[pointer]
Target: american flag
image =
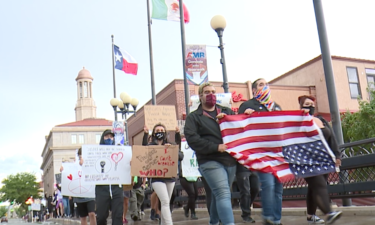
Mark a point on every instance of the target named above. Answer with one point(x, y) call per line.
point(287, 144)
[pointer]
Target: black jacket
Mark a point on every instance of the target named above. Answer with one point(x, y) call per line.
point(331, 141)
point(203, 135)
point(256, 106)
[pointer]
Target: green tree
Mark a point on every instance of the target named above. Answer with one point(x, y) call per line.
point(360, 125)
point(20, 211)
point(3, 211)
point(19, 187)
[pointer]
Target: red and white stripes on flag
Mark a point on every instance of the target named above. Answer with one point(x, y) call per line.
point(284, 143)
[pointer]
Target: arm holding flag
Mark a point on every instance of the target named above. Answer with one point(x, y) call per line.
point(200, 145)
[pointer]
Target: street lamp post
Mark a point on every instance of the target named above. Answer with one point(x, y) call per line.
point(123, 106)
point(218, 23)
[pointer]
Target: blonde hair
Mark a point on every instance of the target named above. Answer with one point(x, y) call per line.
point(203, 85)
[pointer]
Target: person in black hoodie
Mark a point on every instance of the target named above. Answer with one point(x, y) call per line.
point(317, 191)
point(217, 167)
point(109, 197)
point(272, 188)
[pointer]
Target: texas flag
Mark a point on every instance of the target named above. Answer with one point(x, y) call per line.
point(124, 61)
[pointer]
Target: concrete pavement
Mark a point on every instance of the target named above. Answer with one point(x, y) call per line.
point(360, 215)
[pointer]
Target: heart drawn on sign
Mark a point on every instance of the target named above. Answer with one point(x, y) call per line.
point(116, 157)
point(80, 173)
point(70, 177)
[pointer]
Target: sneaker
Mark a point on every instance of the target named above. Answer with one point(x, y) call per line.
point(152, 216)
point(333, 216)
point(125, 221)
point(267, 222)
point(134, 217)
point(315, 220)
point(142, 213)
point(157, 217)
point(248, 219)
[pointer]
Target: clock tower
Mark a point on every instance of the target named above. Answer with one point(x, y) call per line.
point(85, 107)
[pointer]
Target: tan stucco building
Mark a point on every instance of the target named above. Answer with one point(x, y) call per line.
point(63, 140)
point(352, 77)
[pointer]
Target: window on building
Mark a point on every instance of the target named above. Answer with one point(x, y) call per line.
point(355, 90)
point(74, 139)
point(370, 73)
point(81, 139)
point(85, 89)
point(80, 89)
point(97, 138)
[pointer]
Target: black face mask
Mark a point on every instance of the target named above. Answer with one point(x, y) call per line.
point(159, 135)
point(311, 108)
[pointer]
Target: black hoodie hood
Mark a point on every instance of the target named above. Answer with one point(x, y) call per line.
point(104, 134)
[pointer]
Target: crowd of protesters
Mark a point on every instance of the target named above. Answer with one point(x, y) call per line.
point(218, 169)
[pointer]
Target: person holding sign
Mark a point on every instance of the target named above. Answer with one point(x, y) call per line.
point(217, 167)
point(163, 187)
point(109, 197)
point(85, 206)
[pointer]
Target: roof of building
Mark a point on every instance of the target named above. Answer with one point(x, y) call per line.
point(317, 59)
point(88, 122)
point(84, 74)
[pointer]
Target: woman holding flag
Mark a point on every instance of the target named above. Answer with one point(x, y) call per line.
point(317, 191)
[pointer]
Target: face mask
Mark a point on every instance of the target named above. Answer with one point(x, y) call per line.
point(108, 141)
point(159, 135)
point(210, 100)
point(311, 108)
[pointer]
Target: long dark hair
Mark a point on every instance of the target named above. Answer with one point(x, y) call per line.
point(165, 139)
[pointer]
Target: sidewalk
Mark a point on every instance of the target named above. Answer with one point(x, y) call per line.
point(354, 215)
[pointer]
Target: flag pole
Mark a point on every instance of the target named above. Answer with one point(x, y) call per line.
point(151, 58)
point(182, 26)
point(113, 69)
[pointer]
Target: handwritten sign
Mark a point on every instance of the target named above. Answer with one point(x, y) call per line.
point(155, 161)
point(223, 99)
point(164, 114)
point(189, 164)
point(106, 164)
point(71, 182)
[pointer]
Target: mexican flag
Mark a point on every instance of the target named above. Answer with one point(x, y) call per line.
point(168, 10)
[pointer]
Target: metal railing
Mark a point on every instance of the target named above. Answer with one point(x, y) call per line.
point(355, 179)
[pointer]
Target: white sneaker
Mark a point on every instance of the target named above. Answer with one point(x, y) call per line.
point(315, 220)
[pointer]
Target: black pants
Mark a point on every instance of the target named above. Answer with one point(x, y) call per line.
point(317, 194)
point(208, 194)
point(104, 203)
point(248, 185)
point(192, 191)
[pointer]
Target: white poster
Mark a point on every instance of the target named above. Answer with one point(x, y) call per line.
point(106, 164)
point(223, 99)
point(35, 206)
point(71, 182)
point(189, 164)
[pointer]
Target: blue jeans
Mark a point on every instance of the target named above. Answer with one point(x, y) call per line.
point(219, 178)
point(66, 206)
point(271, 196)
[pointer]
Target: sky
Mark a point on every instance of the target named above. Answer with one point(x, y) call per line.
point(44, 44)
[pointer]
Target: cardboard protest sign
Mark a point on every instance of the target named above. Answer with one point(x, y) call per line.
point(71, 182)
point(106, 164)
point(223, 99)
point(164, 114)
point(189, 164)
point(155, 161)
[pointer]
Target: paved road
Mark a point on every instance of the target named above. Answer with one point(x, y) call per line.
point(356, 216)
